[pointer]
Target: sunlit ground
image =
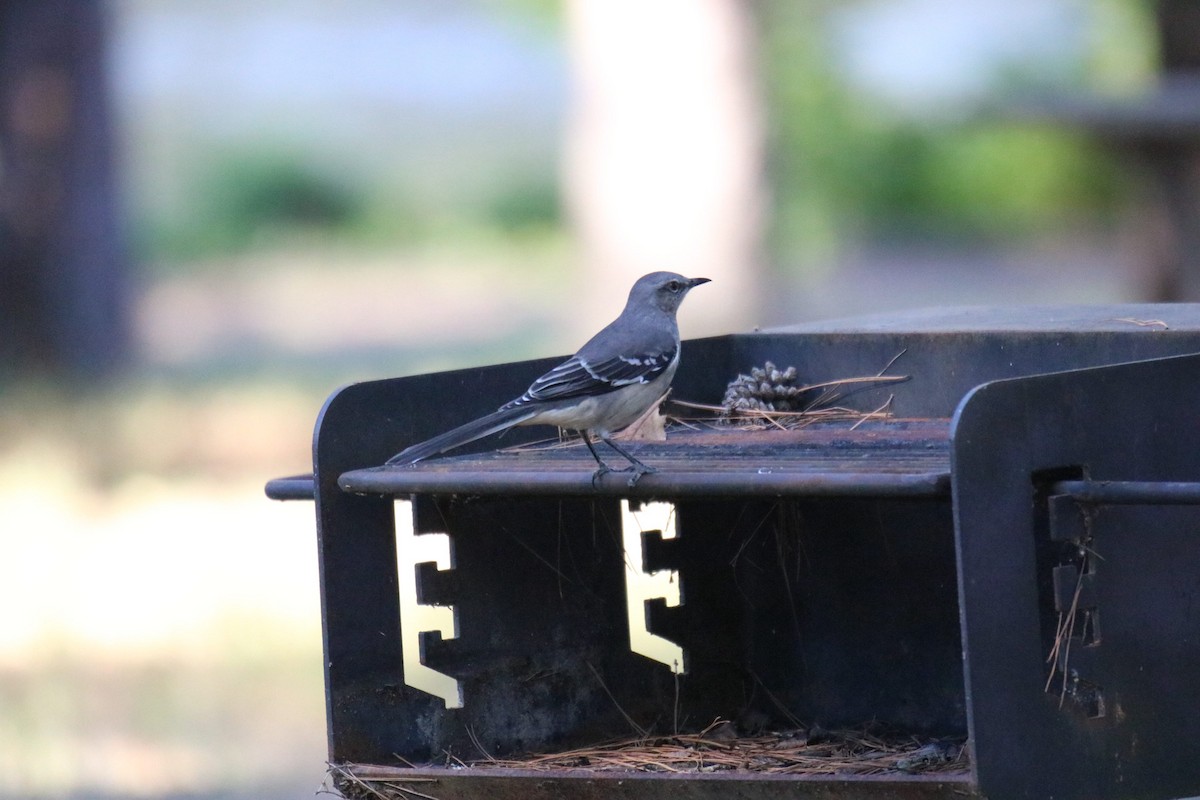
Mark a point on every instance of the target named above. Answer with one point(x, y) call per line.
point(160, 630)
point(159, 618)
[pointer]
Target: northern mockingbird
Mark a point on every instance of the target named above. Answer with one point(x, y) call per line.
point(620, 373)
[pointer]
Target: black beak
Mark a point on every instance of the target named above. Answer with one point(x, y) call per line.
point(694, 282)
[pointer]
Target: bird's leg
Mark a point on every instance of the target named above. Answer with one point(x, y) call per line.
point(603, 469)
point(637, 467)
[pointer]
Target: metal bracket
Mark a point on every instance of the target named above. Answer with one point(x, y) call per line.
point(641, 586)
point(1068, 522)
point(416, 617)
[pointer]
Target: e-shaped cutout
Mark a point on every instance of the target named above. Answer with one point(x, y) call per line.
point(641, 586)
point(417, 618)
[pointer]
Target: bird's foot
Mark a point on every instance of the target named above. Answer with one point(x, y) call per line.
point(600, 472)
point(639, 469)
point(636, 472)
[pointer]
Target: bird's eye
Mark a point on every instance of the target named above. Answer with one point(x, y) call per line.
point(674, 286)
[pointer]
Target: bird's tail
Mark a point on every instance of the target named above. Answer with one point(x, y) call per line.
point(495, 422)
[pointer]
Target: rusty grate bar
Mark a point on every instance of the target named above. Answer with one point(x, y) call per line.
point(1180, 493)
point(474, 782)
point(908, 458)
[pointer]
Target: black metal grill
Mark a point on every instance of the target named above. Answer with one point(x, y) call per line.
point(1009, 560)
point(903, 458)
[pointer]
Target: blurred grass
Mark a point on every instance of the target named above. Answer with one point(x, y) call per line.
point(164, 725)
point(161, 633)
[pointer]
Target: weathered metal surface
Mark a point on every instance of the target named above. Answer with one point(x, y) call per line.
point(1010, 324)
point(502, 784)
point(786, 604)
point(1117, 717)
point(907, 458)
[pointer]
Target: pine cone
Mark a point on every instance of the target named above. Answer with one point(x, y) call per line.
point(766, 388)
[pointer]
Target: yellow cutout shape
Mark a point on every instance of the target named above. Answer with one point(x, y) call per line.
point(641, 586)
point(415, 617)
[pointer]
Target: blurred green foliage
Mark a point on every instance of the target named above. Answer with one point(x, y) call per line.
point(247, 198)
point(525, 205)
point(981, 180)
point(847, 166)
point(257, 199)
point(843, 166)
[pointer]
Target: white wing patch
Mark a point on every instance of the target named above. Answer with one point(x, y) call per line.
point(579, 377)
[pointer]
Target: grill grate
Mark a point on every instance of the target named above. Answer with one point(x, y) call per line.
point(909, 458)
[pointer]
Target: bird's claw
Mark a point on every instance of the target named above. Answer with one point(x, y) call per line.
point(600, 472)
point(637, 470)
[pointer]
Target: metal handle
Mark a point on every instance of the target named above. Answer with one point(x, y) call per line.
point(293, 487)
point(1159, 493)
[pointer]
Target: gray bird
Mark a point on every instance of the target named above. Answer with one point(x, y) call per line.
point(620, 373)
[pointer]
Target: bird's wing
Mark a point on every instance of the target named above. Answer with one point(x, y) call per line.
point(580, 376)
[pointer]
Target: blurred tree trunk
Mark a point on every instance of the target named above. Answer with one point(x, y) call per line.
point(63, 281)
point(1174, 162)
point(1178, 25)
point(664, 165)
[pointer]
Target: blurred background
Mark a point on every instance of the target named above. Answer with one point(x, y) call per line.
point(213, 213)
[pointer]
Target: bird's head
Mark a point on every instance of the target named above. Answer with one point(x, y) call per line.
point(663, 290)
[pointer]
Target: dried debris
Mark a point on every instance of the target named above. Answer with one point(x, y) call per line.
point(1076, 624)
point(768, 395)
point(717, 748)
point(815, 752)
